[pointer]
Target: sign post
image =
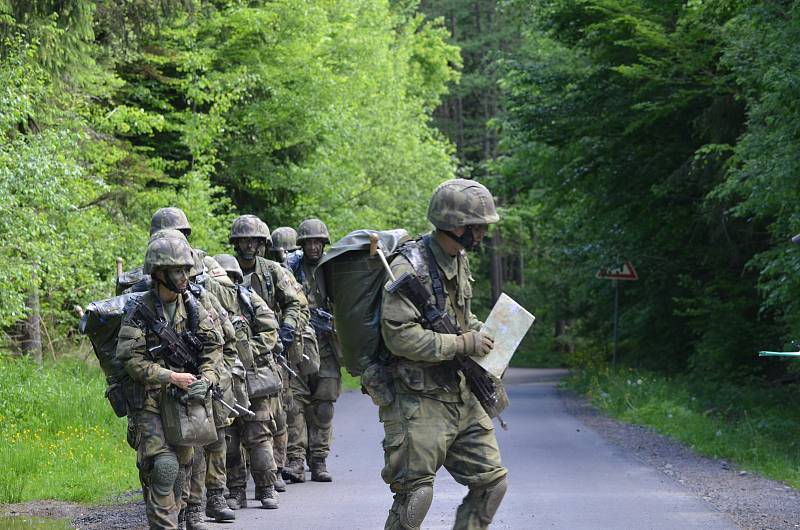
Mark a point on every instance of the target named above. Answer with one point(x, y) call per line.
point(624, 272)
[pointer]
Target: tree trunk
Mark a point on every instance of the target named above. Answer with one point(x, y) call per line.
point(32, 339)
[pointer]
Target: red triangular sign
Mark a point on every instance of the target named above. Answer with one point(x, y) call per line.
point(620, 272)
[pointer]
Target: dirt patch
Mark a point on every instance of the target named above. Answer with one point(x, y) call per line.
point(121, 513)
point(753, 502)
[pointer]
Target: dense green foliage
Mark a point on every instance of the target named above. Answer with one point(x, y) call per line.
point(287, 109)
point(664, 133)
point(57, 431)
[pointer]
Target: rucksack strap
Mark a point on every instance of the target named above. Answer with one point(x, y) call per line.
point(436, 279)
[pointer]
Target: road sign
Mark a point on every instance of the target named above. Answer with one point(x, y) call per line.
point(620, 272)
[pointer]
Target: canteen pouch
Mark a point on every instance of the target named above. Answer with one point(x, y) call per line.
point(262, 382)
point(187, 422)
point(377, 381)
point(115, 393)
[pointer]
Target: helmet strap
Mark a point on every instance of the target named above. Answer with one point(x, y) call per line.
point(466, 240)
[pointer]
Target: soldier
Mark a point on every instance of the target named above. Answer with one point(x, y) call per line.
point(164, 467)
point(250, 238)
point(434, 418)
point(311, 429)
point(256, 326)
point(284, 242)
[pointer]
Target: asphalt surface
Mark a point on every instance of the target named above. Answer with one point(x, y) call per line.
point(562, 475)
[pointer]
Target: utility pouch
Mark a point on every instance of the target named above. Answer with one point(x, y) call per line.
point(309, 359)
point(187, 422)
point(378, 382)
point(115, 393)
point(262, 382)
point(502, 398)
point(243, 337)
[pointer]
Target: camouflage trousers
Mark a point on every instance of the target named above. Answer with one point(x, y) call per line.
point(254, 436)
point(423, 434)
point(208, 469)
point(280, 438)
point(161, 504)
point(311, 421)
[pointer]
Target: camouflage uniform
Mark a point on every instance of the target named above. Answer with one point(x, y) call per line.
point(163, 467)
point(278, 288)
point(311, 427)
point(434, 419)
point(252, 434)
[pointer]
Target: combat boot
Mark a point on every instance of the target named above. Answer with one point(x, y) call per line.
point(280, 485)
point(195, 520)
point(217, 508)
point(319, 472)
point(268, 497)
point(295, 471)
point(237, 499)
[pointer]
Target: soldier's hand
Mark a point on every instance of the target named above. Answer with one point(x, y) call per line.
point(475, 343)
point(182, 380)
point(198, 390)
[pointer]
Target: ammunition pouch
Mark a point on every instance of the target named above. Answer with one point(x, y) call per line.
point(187, 422)
point(429, 378)
point(309, 358)
point(377, 382)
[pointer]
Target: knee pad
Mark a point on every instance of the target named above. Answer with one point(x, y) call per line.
point(415, 507)
point(164, 474)
point(324, 412)
point(259, 459)
point(490, 501)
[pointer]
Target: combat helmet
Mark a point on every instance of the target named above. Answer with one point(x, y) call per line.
point(312, 229)
point(284, 238)
point(164, 252)
point(250, 226)
point(461, 202)
point(199, 266)
point(231, 266)
point(170, 218)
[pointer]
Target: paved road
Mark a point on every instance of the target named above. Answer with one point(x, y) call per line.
point(561, 476)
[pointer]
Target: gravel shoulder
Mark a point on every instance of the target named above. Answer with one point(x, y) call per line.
point(752, 501)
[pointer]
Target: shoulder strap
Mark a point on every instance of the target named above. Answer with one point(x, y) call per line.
point(246, 301)
point(436, 278)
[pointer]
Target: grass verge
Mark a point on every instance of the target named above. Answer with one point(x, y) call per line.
point(749, 424)
point(59, 438)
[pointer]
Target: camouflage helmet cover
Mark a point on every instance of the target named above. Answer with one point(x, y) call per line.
point(250, 226)
point(169, 218)
point(461, 202)
point(230, 265)
point(312, 229)
point(198, 267)
point(164, 252)
point(284, 238)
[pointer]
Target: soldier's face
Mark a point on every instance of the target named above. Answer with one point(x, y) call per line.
point(478, 233)
point(312, 248)
point(250, 247)
point(175, 278)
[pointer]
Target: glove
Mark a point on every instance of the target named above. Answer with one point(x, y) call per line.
point(197, 390)
point(286, 334)
point(474, 344)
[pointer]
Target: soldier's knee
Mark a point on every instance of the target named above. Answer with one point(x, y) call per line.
point(414, 507)
point(164, 474)
point(489, 501)
point(324, 412)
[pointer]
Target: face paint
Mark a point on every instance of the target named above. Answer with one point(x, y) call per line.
point(312, 249)
point(249, 247)
point(176, 279)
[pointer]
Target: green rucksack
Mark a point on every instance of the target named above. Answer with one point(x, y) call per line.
point(354, 281)
point(101, 322)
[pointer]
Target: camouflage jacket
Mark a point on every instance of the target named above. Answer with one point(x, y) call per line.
point(421, 352)
point(278, 288)
point(147, 369)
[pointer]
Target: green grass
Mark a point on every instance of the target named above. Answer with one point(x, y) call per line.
point(59, 438)
point(349, 382)
point(751, 425)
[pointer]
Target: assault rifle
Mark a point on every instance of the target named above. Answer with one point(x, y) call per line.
point(439, 321)
point(321, 321)
point(181, 350)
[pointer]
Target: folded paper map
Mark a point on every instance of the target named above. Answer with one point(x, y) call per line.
point(507, 324)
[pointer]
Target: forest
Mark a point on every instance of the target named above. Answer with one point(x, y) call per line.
point(662, 132)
